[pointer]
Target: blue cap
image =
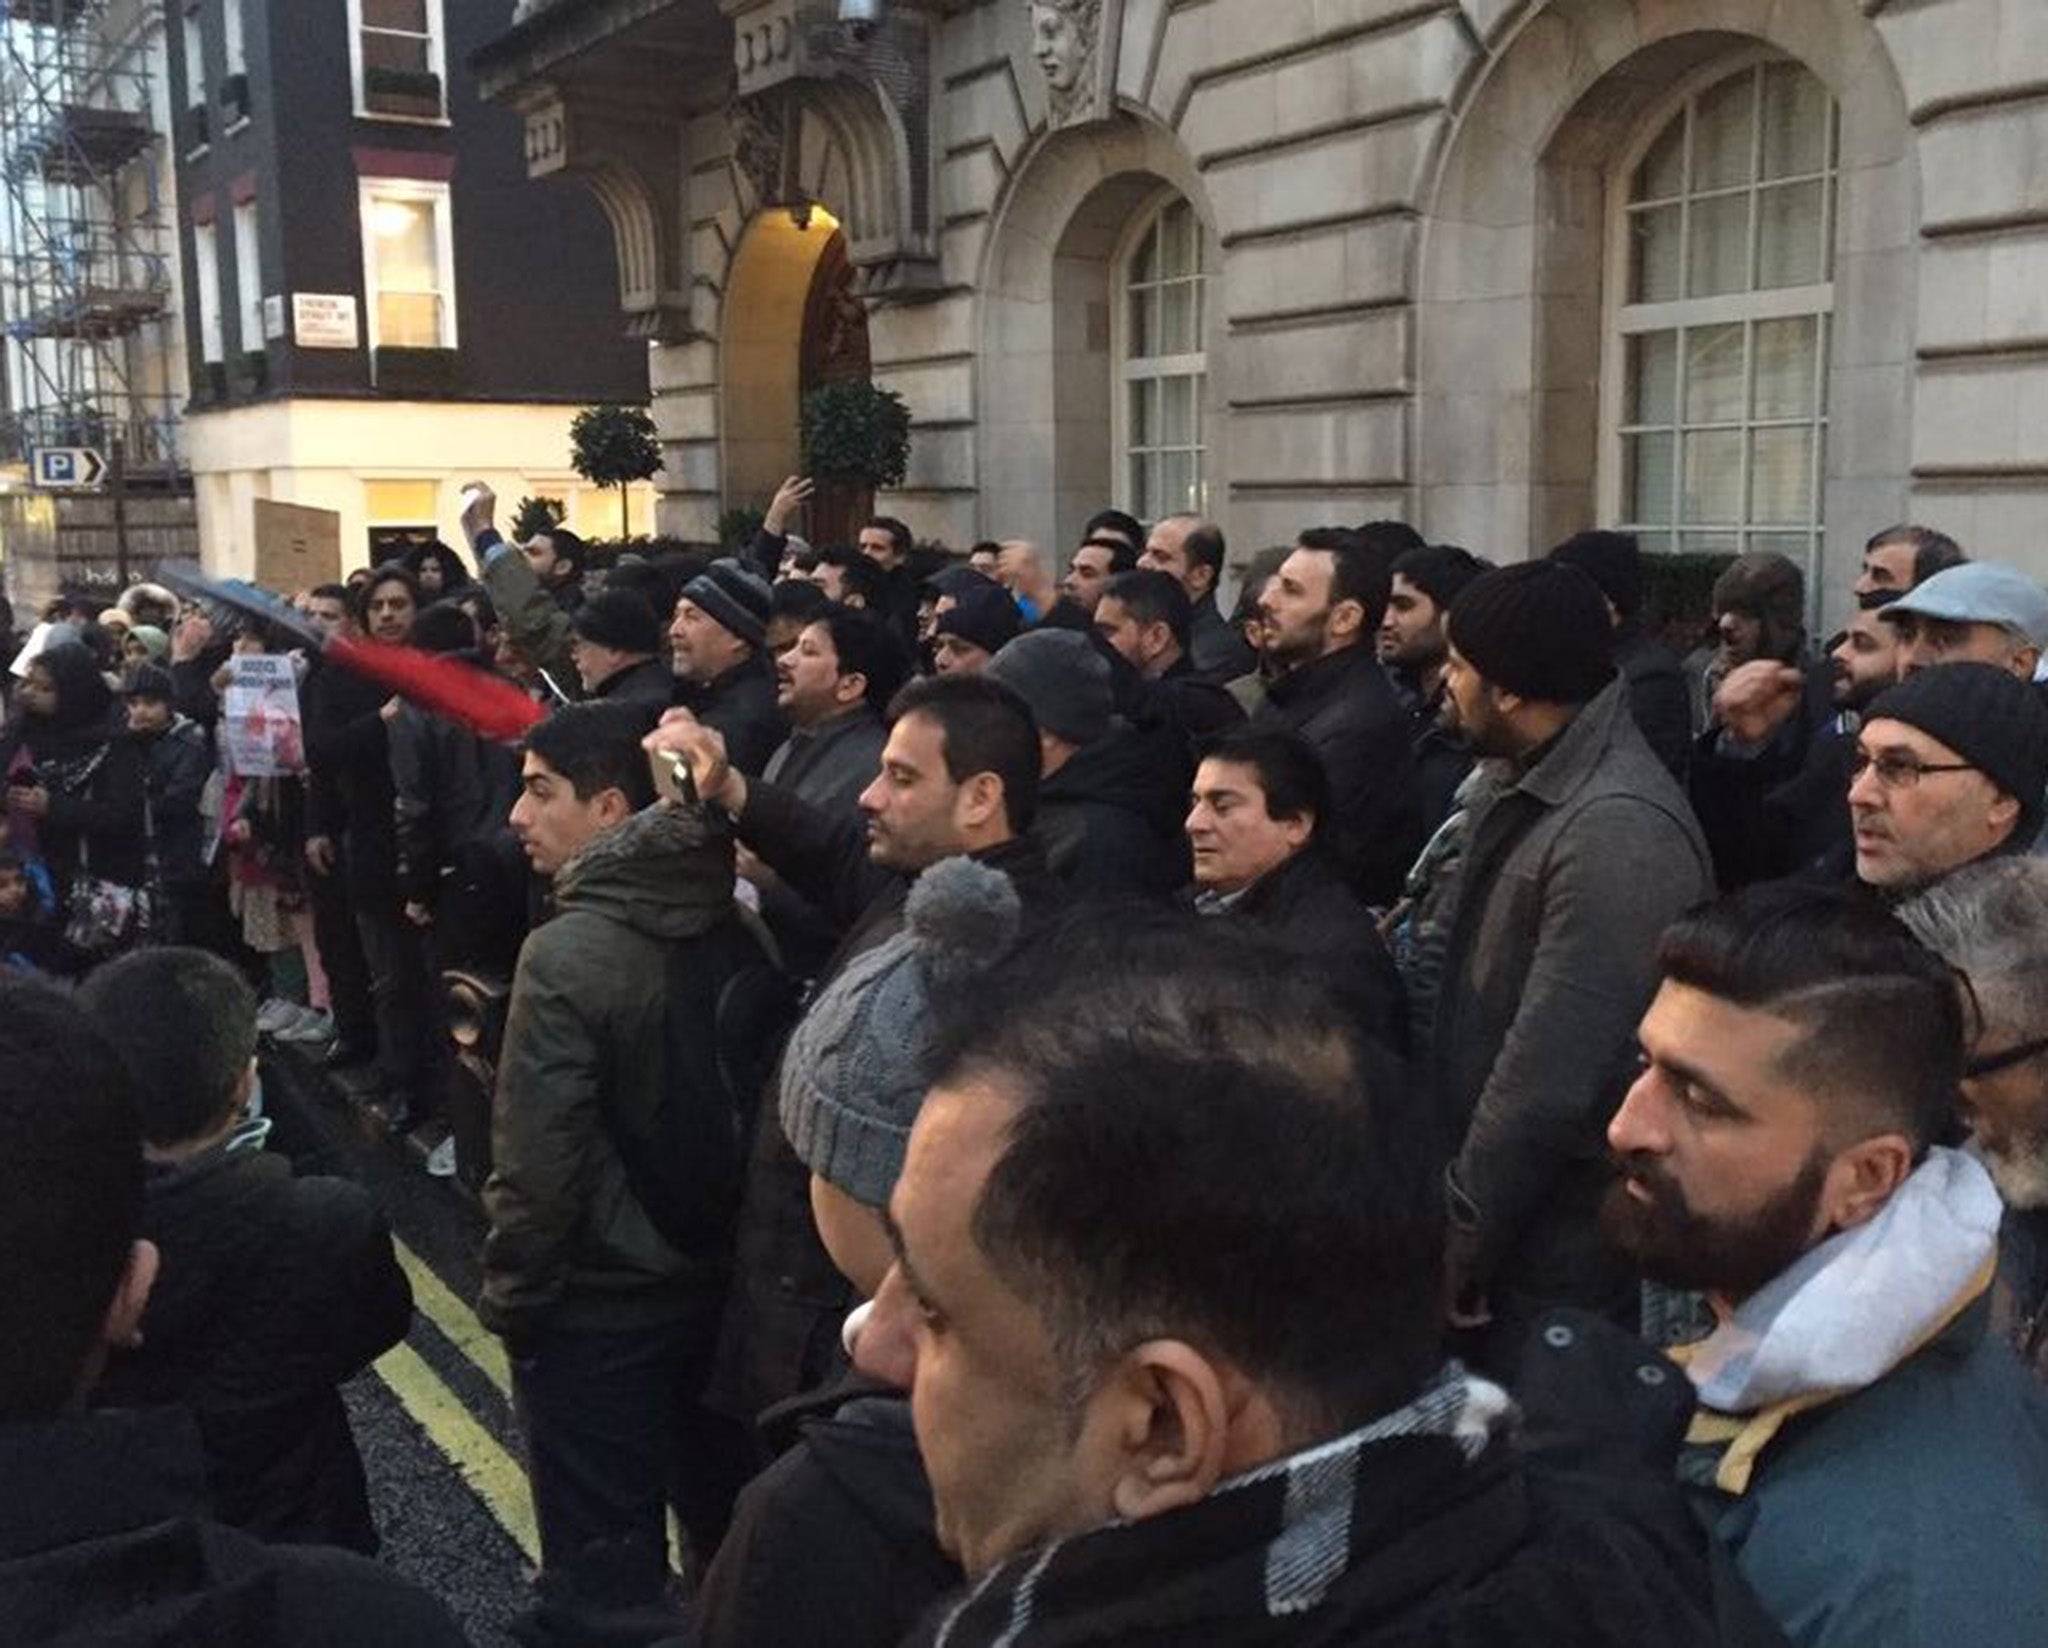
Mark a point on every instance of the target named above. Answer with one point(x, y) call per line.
point(1980, 592)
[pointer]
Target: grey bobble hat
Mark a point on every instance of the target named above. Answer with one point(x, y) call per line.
point(855, 1073)
point(1063, 678)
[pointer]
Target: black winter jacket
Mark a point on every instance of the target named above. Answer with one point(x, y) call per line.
point(104, 1539)
point(348, 760)
point(849, 1507)
point(273, 1290)
point(1345, 706)
point(453, 794)
point(650, 682)
point(741, 705)
point(1657, 695)
point(1110, 818)
point(1305, 904)
point(177, 763)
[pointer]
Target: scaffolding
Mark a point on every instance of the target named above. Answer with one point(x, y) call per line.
point(87, 236)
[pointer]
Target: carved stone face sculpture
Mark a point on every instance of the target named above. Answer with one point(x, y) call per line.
point(1058, 43)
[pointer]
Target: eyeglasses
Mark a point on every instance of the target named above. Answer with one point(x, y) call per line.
point(1991, 1064)
point(1900, 772)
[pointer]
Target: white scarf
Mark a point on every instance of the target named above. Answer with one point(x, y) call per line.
point(1848, 1312)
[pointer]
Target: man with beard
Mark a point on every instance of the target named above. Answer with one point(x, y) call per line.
point(1572, 868)
point(1323, 610)
point(1766, 815)
point(1412, 647)
point(1867, 1450)
point(1987, 922)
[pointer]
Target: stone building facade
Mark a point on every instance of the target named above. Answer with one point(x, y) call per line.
point(1742, 273)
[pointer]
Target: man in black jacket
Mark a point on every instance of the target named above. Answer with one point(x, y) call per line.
point(1192, 550)
point(1657, 692)
point(1323, 610)
point(720, 634)
point(615, 1165)
point(1110, 795)
point(1412, 646)
point(1146, 619)
point(959, 775)
point(1259, 803)
point(617, 645)
point(177, 762)
point(104, 1533)
point(274, 1289)
point(1133, 1437)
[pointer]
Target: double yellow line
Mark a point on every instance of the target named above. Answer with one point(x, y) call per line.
point(492, 1474)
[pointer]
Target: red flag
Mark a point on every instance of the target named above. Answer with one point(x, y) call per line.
point(487, 704)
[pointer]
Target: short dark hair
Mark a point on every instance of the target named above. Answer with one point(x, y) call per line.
point(798, 598)
point(1122, 558)
point(858, 573)
point(476, 601)
point(1116, 521)
point(387, 572)
point(899, 534)
point(1204, 546)
point(984, 727)
point(1933, 551)
point(1389, 538)
point(596, 747)
point(1156, 1097)
point(566, 545)
point(446, 626)
point(1291, 772)
point(866, 646)
point(1880, 1015)
point(1154, 597)
point(71, 1193)
point(184, 1024)
point(1355, 574)
point(1439, 571)
point(332, 592)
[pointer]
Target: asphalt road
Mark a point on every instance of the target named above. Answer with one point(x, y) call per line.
point(433, 1418)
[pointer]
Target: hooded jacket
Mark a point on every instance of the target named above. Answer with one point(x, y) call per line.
point(273, 1290)
point(93, 772)
point(585, 1064)
point(1110, 818)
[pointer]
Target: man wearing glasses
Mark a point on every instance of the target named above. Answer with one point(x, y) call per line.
point(1987, 922)
point(1951, 767)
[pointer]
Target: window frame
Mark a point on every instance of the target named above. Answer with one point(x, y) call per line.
point(234, 37)
point(206, 277)
point(1124, 371)
point(440, 195)
point(437, 63)
point(198, 84)
point(1622, 319)
point(249, 276)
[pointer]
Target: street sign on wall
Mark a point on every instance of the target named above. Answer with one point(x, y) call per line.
point(66, 466)
point(325, 320)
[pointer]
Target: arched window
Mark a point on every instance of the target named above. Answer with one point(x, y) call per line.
point(1717, 372)
point(1162, 283)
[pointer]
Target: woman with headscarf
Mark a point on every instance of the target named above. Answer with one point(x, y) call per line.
point(74, 791)
point(145, 644)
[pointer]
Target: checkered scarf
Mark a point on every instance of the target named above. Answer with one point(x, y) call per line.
point(1264, 1547)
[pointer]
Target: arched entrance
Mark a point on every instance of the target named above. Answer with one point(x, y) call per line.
point(793, 320)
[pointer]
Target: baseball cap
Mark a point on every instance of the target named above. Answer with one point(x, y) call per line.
point(1980, 592)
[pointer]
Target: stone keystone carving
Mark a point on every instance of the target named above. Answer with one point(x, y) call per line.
point(1075, 43)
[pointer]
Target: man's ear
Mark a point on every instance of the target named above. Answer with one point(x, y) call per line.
point(981, 799)
point(1863, 1178)
point(614, 806)
point(1347, 618)
point(1177, 1422)
point(122, 1329)
point(850, 688)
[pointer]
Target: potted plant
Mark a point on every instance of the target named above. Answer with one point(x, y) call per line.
point(614, 446)
point(856, 434)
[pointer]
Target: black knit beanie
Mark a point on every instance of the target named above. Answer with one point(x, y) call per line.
point(619, 619)
point(1538, 629)
point(1613, 560)
point(1991, 719)
point(735, 597)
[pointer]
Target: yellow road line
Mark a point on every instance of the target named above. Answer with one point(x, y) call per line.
point(457, 1322)
point(492, 1474)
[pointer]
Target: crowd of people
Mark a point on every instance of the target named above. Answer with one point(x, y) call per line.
point(1028, 1108)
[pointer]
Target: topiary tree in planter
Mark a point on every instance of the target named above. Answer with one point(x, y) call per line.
point(537, 515)
point(614, 446)
point(856, 434)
